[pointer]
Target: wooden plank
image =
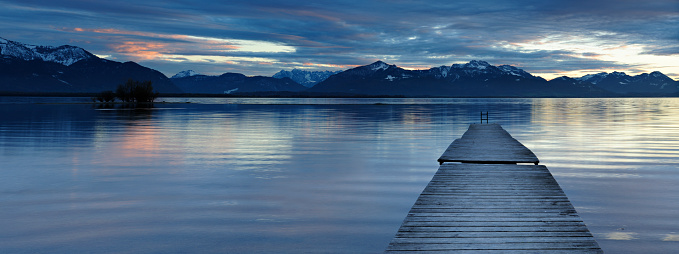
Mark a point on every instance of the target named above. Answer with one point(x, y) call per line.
point(507, 202)
point(487, 143)
point(452, 203)
point(493, 240)
point(493, 223)
point(495, 246)
point(406, 234)
point(488, 204)
point(466, 229)
point(543, 251)
point(500, 220)
point(536, 214)
point(468, 208)
point(493, 212)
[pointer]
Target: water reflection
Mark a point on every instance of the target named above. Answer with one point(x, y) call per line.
point(616, 159)
point(607, 132)
point(326, 178)
point(671, 237)
point(620, 236)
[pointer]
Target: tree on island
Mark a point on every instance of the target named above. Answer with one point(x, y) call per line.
point(136, 91)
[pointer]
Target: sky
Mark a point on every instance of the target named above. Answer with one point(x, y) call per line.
point(546, 38)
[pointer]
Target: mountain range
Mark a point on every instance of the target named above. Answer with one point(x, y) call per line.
point(480, 79)
point(476, 78)
point(232, 83)
point(619, 82)
point(68, 69)
point(305, 78)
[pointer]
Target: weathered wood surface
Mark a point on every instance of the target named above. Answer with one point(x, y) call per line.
point(493, 208)
point(487, 143)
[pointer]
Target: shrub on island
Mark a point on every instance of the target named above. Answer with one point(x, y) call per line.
point(136, 91)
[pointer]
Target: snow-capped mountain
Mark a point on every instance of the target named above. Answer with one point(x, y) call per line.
point(65, 55)
point(28, 68)
point(379, 65)
point(621, 83)
point(186, 73)
point(67, 69)
point(305, 78)
point(476, 78)
point(477, 68)
point(479, 78)
point(593, 78)
point(231, 83)
point(473, 64)
point(508, 69)
point(378, 69)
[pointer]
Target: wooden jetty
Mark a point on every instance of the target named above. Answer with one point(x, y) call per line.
point(488, 144)
point(489, 204)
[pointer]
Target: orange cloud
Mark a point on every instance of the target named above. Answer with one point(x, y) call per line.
point(122, 32)
point(207, 43)
point(416, 67)
point(145, 50)
point(142, 50)
point(618, 47)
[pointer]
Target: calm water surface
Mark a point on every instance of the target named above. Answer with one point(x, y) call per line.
point(309, 175)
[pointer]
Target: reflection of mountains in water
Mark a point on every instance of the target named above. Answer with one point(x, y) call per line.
point(47, 124)
point(51, 121)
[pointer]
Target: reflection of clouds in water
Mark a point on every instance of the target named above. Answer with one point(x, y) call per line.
point(671, 238)
point(590, 175)
point(589, 209)
point(206, 165)
point(632, 236)
point(607, 132)
point(620, 236)
point(247, 142)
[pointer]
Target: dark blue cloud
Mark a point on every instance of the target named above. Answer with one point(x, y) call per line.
point(407, 33)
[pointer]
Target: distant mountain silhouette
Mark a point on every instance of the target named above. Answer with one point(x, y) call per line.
point(473, 79)
point(654, 83)
point(68, 69)
point(186, 73)
point(305, 78)
point(234, 83)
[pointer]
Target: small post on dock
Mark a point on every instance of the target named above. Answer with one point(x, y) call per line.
point(482, 114)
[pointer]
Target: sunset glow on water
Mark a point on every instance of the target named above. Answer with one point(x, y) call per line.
point(324, 175)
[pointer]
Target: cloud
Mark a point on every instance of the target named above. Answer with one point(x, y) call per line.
point(145, 46)
point(139, 50)
point(661, 50)
point(552, 37)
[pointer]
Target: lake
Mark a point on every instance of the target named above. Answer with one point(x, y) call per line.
point(238, 175)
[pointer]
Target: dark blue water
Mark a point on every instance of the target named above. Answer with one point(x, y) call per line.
point(309, 175)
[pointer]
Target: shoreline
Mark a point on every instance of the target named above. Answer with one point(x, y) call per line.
point(294, 95)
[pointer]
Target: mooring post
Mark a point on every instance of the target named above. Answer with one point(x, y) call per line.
point(482, 114)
